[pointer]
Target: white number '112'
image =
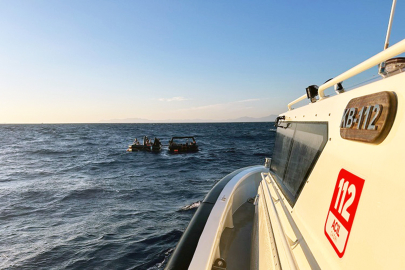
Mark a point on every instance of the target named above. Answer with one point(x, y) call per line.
point(344, 188)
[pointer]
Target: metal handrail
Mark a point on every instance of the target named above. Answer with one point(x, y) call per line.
point(369, 63)
point(277, 222)
point(296, 101)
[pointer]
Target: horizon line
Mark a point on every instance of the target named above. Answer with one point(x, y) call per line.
point(104, 123)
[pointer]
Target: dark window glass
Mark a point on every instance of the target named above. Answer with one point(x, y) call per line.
point(292, 162)
point(282, 148)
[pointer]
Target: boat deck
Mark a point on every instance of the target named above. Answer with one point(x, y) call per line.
point(235, 244)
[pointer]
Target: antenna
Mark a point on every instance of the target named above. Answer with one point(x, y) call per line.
point(387, 38)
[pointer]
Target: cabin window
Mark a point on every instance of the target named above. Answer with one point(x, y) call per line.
point(296, 150)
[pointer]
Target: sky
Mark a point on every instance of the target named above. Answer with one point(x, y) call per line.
point(88, 61)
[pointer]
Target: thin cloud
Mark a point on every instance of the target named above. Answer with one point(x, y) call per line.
point(173, 99)
point(246, 100)
point(219, 105)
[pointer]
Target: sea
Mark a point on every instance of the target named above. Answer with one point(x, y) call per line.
point(72, 197)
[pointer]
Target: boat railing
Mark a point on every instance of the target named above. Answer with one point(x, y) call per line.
point(391, 52)
point(279, 227)
point(289, 236)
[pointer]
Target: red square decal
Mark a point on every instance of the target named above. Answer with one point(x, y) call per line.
point(342, 210)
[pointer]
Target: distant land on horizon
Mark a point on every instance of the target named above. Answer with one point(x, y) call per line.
point(269, 118)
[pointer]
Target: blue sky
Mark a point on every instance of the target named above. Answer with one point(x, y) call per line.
point(86, 61)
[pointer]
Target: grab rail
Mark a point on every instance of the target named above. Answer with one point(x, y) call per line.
point(369, 63)
point(296, 101)
point(284, 242)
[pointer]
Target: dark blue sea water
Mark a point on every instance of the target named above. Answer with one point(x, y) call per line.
point(71, 197)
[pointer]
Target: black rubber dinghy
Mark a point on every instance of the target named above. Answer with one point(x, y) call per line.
point(183, 145)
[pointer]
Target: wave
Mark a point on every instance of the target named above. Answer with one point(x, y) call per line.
point(190, 206)
point(160, 265)
point(173, 234)
point(46, 151)
point(150, 259)
point(104, 162)
point(85, 194)
point(261, 154)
